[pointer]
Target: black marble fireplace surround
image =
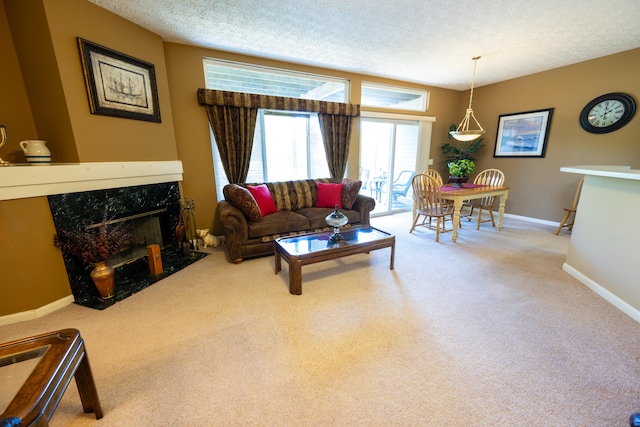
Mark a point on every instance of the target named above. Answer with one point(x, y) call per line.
point(76, 210)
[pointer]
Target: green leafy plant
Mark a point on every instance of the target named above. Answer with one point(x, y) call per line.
point(458, 150)
point(461, 168)
point(95, 244)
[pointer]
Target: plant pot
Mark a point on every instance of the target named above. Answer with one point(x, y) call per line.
point(458, 180)
point(103, 277)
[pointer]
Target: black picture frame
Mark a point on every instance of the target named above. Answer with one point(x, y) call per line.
point(119, 85)
point(523, 134)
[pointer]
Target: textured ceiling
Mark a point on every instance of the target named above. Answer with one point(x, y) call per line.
point(424, 41)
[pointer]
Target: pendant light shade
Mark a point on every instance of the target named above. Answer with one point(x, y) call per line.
point(463, 133)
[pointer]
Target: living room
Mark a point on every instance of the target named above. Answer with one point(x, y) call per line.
point(44, 97)
point(50, 103)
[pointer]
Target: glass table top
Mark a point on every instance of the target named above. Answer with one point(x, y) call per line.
point(318, 242)
point(14, 371)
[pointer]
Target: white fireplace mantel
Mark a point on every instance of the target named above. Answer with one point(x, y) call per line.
point(23, 181)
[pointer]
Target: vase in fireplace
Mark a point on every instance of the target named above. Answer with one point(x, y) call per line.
point(103, 276)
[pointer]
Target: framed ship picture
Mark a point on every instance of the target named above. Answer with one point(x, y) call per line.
point(119, 85)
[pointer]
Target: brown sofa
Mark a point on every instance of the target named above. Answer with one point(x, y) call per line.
point(249, 235)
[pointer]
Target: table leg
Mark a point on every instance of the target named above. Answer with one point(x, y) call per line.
point(393, 255)
point(87, 388)
point(295, 277)
point(503, 201)
point(277, 261)
point(457, 207)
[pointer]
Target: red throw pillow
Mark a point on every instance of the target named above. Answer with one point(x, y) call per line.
point(329, 195)
point(263, 199)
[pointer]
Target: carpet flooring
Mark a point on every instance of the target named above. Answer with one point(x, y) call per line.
point(488, 331)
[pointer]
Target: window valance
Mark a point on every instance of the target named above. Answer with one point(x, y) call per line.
point(250, 100)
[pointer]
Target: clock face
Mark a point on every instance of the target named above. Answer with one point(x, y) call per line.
point(607, 113)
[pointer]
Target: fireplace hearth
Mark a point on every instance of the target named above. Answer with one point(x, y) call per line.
point(152, 211)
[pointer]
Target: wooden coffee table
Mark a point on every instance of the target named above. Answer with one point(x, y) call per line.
point(35, 372)
point(316, 247)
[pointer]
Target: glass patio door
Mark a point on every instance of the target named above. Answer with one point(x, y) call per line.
point(388, 158)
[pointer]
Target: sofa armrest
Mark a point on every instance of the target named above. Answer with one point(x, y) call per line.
point(236, 229)
point(364, 205)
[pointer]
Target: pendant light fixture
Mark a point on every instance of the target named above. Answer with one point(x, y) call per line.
point(463, 133)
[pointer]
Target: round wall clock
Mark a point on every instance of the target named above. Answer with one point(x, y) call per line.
point(607, 113)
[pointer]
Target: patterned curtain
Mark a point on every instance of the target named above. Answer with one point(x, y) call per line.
point(336, 131)
point(234, 119)
point(233, 129)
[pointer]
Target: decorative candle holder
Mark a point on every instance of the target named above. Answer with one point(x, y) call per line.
point(336, 219)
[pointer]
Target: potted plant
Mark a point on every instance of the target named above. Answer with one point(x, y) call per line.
point(95, 245)
point(459, 171)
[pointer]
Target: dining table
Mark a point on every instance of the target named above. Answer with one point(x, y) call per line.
point(458, 195)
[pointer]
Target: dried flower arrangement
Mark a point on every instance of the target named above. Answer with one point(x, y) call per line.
point(95, 244)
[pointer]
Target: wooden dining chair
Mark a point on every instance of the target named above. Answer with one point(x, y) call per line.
point(493, 177)
point(571, 211)
point(438, 178)
point(435, 175)
point(429, 204)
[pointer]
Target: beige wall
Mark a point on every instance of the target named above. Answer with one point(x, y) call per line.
point(33, 273)
point(540, 190)
point(44, 33)
point(185, 70)
point(44, 97)
point(42, 75)
point(15, 111)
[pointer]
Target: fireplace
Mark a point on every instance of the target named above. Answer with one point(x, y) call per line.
point(148, 228)
point(151, 210)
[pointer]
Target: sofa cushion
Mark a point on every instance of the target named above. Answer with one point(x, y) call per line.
point(293, 195)
point(350, 190)
point(243, 200)
point(263, 199)
point(329, 195)
point(278, 223)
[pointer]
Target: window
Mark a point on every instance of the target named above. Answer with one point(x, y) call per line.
point(238, 77)
point(286, 145)
point(283, 145)
point(398, 98)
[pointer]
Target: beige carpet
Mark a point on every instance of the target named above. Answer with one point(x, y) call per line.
point(486, 332)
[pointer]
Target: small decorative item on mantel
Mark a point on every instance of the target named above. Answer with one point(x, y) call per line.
point(459, 171)
point(36, 152)
point(3, 140)
point(336, 219)
point(95, 245)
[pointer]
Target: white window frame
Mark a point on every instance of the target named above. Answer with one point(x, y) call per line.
point(275, 74)
point(423, 94)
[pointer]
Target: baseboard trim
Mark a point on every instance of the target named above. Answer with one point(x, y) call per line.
point(530, 219)
point(613, 299)
point(35, 313)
